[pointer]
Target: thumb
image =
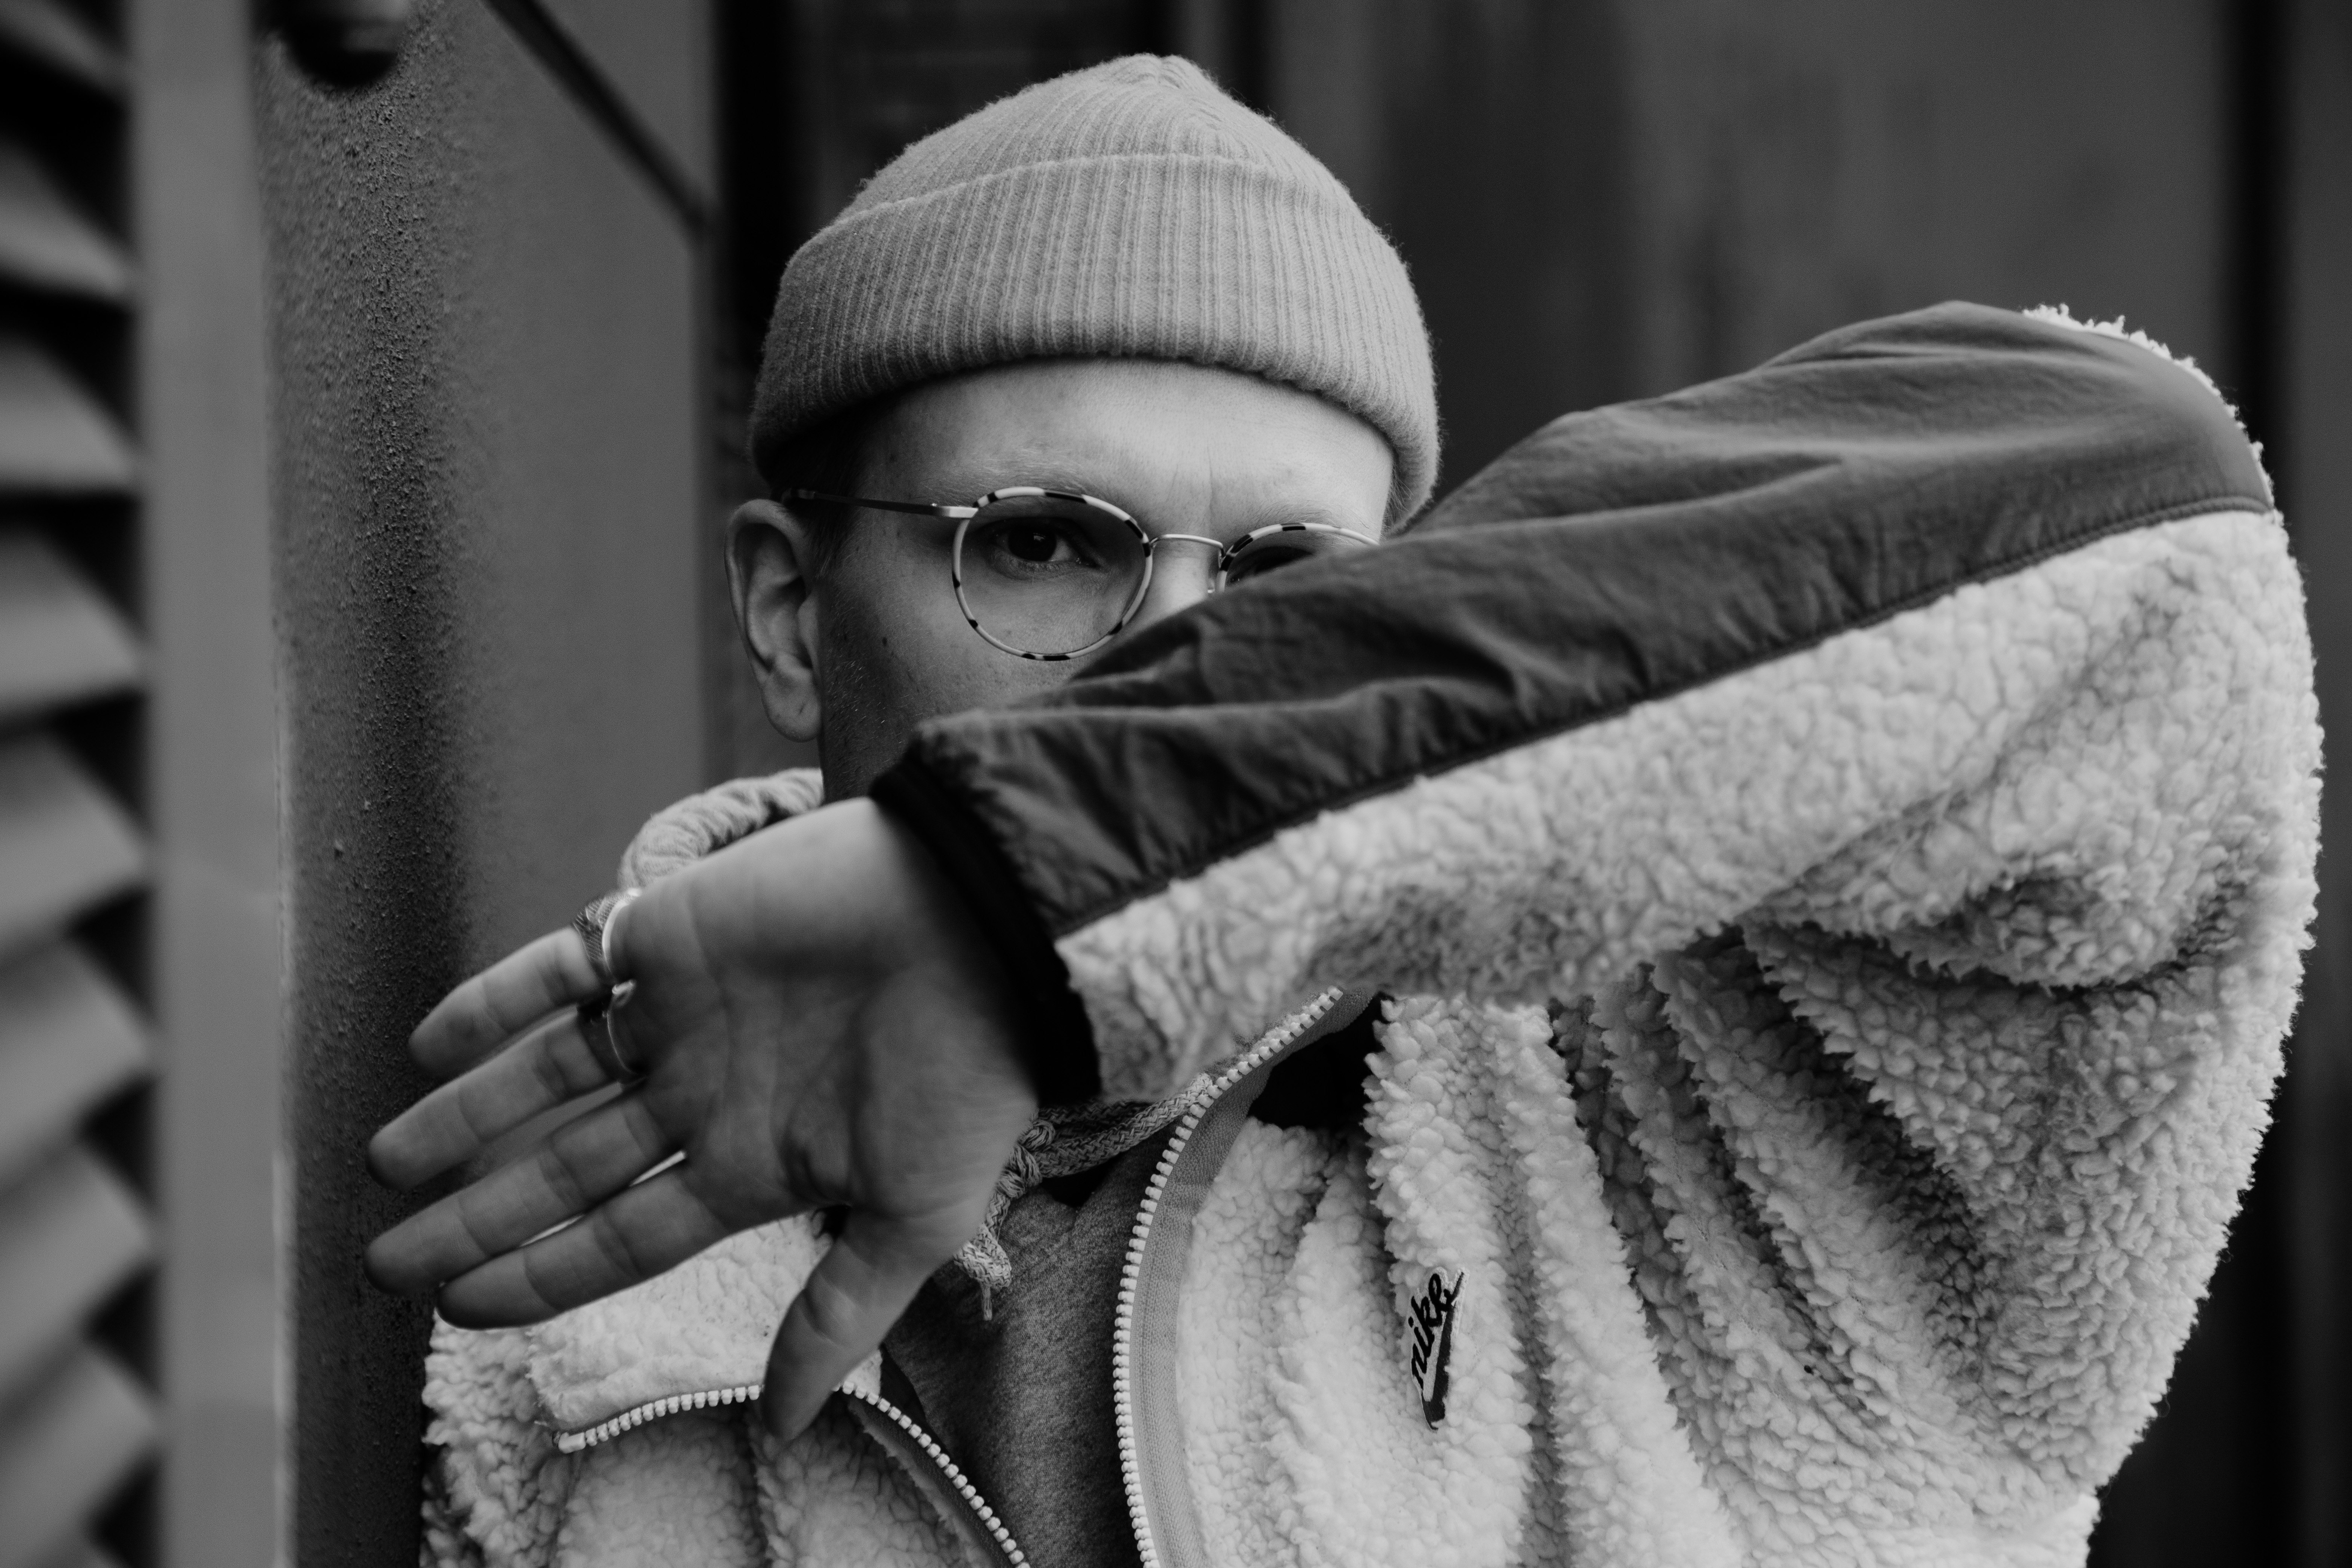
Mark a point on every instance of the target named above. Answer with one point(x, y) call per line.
point(857, 1290)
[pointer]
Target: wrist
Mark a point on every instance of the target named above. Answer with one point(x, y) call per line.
point(1051, 1034)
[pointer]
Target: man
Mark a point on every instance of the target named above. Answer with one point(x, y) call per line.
point(1710, 1004)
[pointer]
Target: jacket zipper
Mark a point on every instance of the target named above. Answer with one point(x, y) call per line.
point(1122, 1362)
point(982, 1516)
point(1122, 1335)
point(674, 1405)
point(977, 1511)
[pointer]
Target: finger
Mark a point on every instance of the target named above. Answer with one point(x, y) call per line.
point(650, 1227)
point(503, 1001)
point(549, 1067)
point(581, 1164)
point(857, 1290)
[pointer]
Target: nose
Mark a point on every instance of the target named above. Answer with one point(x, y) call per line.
point(1183, 573)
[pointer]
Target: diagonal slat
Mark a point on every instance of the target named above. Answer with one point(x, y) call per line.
point(61, 640)
point(68, 1038)
point(53, 436)
point(65, 846)
point(45, 242)
point(56, 37)
point(69, 1234)
point(65, 1446)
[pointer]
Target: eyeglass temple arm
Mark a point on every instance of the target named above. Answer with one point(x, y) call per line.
point(915, 507)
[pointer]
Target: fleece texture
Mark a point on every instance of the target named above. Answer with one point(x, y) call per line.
point(1931, 986)
point(1824, 1086)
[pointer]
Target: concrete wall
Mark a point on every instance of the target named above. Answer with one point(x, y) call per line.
point(489, 463)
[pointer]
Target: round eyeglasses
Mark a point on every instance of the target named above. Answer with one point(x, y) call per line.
point(1054, 575)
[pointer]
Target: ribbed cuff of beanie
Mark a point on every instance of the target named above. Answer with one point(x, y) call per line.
point(1155, 255)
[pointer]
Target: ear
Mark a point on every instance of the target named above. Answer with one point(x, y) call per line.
point(769, 561)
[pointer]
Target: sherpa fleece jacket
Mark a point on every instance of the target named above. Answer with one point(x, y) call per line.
point(1835, 846)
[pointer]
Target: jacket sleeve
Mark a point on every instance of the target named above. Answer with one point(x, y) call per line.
point(1968, 631)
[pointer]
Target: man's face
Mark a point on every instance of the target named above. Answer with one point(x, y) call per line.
point(876, 644)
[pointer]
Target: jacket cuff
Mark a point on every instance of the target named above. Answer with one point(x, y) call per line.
point(1057, 1042)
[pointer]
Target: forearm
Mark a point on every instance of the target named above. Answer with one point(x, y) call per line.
point(1425, 767)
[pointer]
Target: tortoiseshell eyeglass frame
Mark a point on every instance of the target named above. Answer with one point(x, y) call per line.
point(962, 515)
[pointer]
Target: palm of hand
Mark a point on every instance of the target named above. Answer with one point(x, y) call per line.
point(822, 1028)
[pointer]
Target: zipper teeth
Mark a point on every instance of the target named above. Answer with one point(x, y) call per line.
point(573, 1442)
point(1123, 1331)
point(1121, 1334)
point(948, 1468)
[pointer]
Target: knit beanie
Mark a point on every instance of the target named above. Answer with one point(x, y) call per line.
point(1129, 210)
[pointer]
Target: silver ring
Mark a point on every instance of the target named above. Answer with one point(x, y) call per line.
point(603, 1040)
point(592, 922)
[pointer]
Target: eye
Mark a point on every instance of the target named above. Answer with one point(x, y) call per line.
point(1034, 542)
point(1037, 543)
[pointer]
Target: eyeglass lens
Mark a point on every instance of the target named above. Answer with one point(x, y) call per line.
point(1048, 574)
point(1054, 575)
point(1257, 554)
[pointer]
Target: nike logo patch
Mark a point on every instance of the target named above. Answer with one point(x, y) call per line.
point(1432, 1342)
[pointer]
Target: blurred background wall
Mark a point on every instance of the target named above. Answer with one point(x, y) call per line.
point(370, 404)
point(490, 489)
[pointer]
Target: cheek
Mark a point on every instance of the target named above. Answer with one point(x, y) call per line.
point(896, 651)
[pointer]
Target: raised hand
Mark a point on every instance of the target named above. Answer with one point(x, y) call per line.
point(821, 1025)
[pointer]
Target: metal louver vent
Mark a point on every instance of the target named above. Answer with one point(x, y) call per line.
point(64, 845)
point(68, 1039)
point(59, 39)
point(53, 437)
point(74, 1232)
point(60, 641)
point(78, 1421)
point(70, 1440)
point(44, 240)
